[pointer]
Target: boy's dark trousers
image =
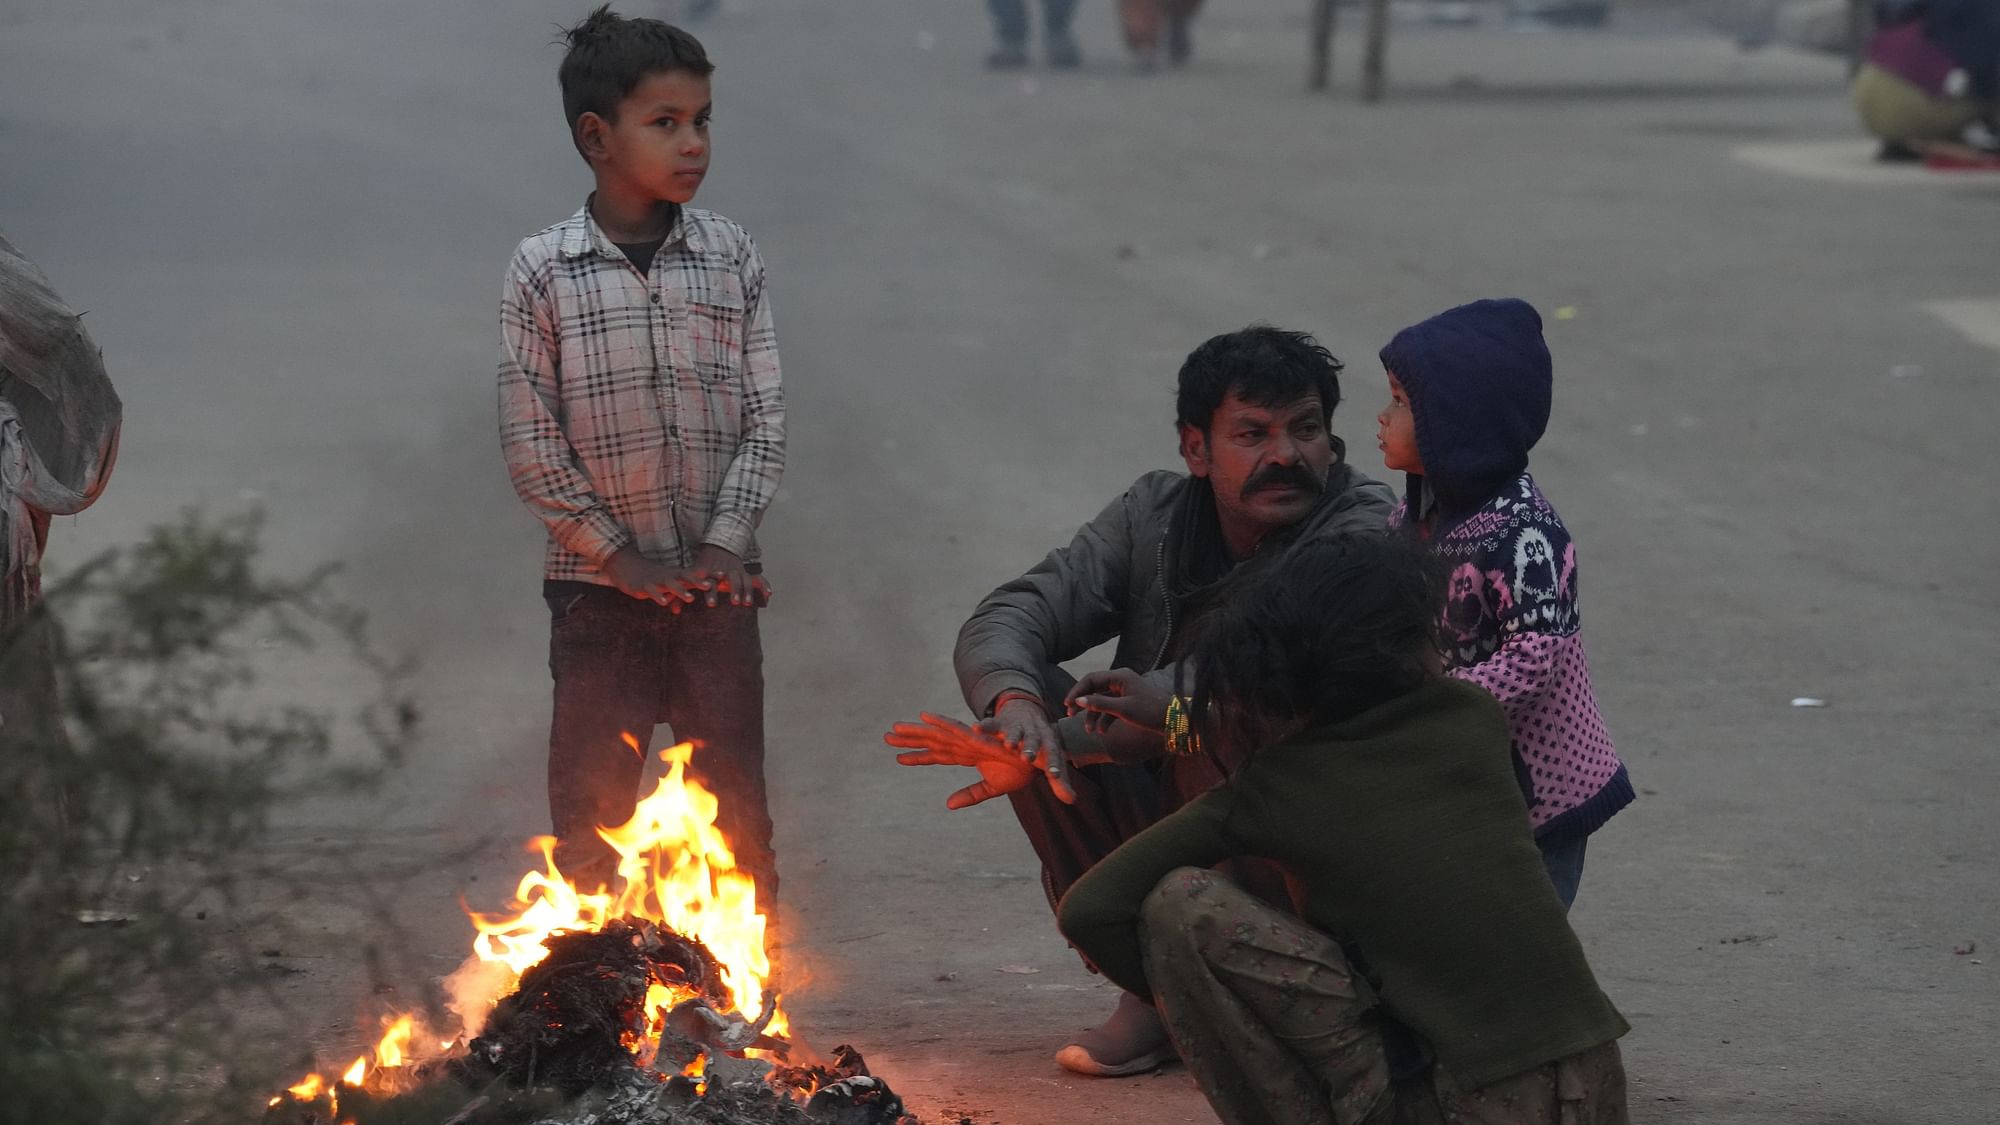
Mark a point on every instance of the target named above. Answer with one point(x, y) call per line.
point(621, 665)
point(1010, 19)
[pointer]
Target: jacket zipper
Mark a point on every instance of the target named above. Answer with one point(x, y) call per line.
point(1167, 596)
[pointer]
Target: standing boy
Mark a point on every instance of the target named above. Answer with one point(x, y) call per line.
point(643, 421)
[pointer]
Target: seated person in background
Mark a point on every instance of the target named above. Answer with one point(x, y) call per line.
point(1932, 73)
point(1386, 792)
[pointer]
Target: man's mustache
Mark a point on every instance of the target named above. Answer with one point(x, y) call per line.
point(1284, 476)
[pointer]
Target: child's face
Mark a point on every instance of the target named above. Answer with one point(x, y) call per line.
point(658, 145)
point(1396, 432)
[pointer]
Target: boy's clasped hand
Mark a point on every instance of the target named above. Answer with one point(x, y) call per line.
point(717, 577)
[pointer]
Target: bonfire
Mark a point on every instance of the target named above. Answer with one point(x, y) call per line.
point(647, 1003)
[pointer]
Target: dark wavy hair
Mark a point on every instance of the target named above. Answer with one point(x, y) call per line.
point(1317, 634)
point(609, 55)
point(1264, 365)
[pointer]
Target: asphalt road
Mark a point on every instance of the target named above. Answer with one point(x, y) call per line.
point(1774, 415)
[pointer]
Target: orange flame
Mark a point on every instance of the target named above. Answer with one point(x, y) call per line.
point(675, 869)
point(394, 1049)
point(308, 1089)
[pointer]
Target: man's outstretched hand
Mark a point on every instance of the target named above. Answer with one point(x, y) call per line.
point(1023, 725)
point(1004, 766)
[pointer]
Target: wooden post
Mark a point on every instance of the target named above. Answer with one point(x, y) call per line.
point(1860, 28)
point(1373, 61)
point(1321, 67)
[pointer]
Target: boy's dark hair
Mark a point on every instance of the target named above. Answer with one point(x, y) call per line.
point(1263, 365)
point(1317, 634)
point(609, 55)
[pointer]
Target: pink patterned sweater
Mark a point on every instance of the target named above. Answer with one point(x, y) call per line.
point(1511, 626)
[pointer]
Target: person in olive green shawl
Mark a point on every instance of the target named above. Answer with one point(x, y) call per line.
point(1432, 975)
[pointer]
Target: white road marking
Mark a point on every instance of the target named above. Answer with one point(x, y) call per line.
point(1977, 317)
point(1851, 162)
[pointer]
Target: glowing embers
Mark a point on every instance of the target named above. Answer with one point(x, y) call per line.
point(631, 995)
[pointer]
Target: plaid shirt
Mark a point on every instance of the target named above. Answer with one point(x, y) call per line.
point(640, 408)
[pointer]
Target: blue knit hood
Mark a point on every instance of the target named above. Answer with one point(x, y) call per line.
point(1480, 383)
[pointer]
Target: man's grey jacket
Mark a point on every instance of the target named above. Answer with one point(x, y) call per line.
point(1128, 574)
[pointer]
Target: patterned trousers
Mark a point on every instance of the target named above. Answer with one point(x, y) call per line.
point(1271, 1020)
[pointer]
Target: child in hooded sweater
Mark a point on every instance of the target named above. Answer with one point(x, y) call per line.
point(1469, 395)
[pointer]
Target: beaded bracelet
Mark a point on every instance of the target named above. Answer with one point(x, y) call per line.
point(1182, 739)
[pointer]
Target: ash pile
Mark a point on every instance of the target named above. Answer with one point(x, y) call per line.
point(571, 1047)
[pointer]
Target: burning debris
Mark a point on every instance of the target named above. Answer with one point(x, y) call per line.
point(584, 1011)
point(623, 1007)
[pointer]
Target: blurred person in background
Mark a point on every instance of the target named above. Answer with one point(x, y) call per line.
point(1151, 24)
point(1010, 30)
point(1929, 88)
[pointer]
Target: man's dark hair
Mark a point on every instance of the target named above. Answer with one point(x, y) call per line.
point(1263, 365)
point(609, 55)
point(1316, 634)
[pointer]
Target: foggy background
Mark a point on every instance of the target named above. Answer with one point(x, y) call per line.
point(1776, 397)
